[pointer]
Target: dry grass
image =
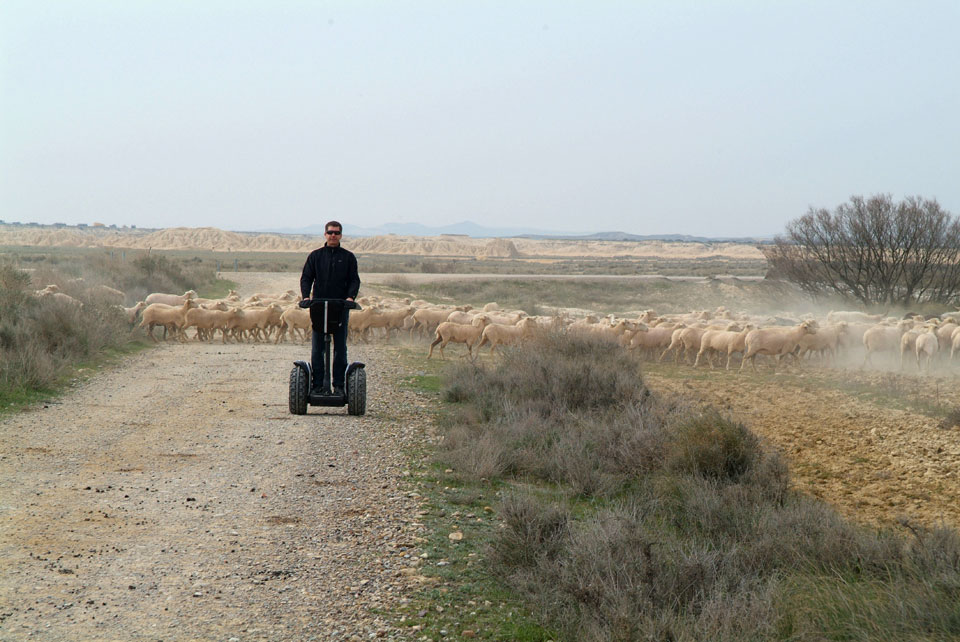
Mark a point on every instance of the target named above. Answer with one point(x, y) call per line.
point(634, 518)
point(41, 339)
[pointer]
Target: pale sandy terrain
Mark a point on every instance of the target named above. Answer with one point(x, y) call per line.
point(213, 239)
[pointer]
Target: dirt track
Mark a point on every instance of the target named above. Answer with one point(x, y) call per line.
point(175, 497)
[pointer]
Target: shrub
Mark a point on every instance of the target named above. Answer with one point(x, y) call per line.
point(686, 527)
point(41, 338)
point(713, 446)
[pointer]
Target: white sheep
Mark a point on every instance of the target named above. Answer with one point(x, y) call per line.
point(654, 340)
point(883, 338)
point(172, 318)
point(296, 320)
point(778, 342)
point(496, 334)
point(207, 322)
point(170, 299)
point(825, 342)
point(722, 342)
point(450, 331)
point(928, 346)
point(132, 313)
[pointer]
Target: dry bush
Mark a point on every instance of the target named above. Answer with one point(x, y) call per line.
point(714, 446)
point(41, 338)
point(686, 527)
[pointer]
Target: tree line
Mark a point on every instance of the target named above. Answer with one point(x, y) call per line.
point(873, 250)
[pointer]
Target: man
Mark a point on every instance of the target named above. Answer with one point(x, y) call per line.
point(331, 272)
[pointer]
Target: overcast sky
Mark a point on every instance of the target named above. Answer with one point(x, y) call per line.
point(706, 118)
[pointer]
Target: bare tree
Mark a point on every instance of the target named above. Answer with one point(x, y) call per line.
point(873, 250)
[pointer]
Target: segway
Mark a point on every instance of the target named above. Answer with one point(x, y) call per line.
point(327, 314)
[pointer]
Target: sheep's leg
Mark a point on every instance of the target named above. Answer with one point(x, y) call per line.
point(664, 353)
point(435, 342)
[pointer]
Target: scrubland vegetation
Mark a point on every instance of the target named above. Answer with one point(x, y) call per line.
point(43, 340)
point(632, 517)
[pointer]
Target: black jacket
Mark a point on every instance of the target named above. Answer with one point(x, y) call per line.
point(331, 272)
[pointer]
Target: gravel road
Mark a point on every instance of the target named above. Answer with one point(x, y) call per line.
point(175, 497)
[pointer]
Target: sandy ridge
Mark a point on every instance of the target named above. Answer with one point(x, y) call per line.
point(213, 239)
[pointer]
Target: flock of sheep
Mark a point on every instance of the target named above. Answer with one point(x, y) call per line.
point(695, 337)
point(698, 338)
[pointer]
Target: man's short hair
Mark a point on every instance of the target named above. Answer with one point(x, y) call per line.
point(335, 224)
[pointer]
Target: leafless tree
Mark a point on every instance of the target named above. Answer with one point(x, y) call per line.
point(873, 250)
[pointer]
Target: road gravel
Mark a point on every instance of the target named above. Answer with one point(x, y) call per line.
point(175, 497)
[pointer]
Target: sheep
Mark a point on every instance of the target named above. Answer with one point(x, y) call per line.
point(459, 333)
point(463, 318)
point(427, 319)
point(882, 338)
point(295, 319)
point(675, 342)
point(954, 343)
point(132, 313)
point(62, 298)
point(690, 338)
point(944, 332)
point(388, 319)
point(253, 321)
point(853, 317)
point(825, 342)
point(722, 341)
point(207, 322)
point(613, 332)
point(169, 299)
point(777, 341)
point(491, 307)
point(908, 344)
point(50, 289)
point(686, 341)
point(503, 318)
point(496, 334)
point(170, 317)
point(928, 346)
point(653, 340)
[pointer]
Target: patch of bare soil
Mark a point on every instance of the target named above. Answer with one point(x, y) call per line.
point(875, 463)
point(175, 497)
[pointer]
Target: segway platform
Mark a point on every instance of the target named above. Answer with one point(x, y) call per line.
point(302, 378)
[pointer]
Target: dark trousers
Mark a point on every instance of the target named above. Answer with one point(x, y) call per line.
point(318, 350)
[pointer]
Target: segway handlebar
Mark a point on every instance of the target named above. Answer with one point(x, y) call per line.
point(350, 305)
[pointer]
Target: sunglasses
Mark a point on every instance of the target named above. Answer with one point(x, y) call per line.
point(334, 232)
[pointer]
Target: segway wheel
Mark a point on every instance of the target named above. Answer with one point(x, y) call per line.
point(357, 392)
point(299, 391)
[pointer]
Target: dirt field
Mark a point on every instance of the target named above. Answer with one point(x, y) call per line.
point(875, 463)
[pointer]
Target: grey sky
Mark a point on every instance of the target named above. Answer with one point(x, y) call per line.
point(711, 118)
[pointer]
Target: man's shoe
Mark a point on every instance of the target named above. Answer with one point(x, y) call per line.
point(338, 391)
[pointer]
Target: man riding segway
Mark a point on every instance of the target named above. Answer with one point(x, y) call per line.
point(330, 274)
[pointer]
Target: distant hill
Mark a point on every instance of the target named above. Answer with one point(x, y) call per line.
point(475, 230)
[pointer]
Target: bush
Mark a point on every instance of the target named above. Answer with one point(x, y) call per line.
point(685, 527)
point(713, 446)
point(41, 338)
